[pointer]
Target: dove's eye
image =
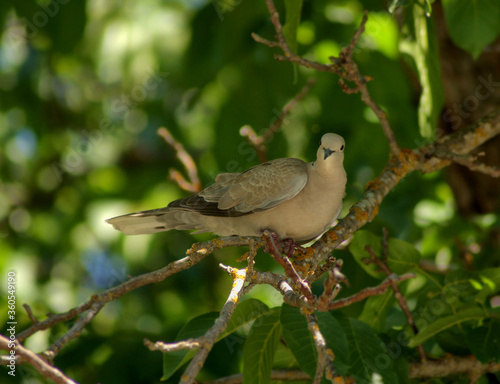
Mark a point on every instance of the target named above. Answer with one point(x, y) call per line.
point(342, 147)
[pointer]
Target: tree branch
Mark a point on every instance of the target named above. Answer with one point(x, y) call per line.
point(367, 292)
point(343, 66)
point(407, 161)
point(195, 254)
point(258, 142)
point(451, 365)
point(193, 185)
point(42, 366)
point(205, 343)
point(471, 163)
point(325, 354)
point(398, 167)
point(276, 375)
point(403, 304)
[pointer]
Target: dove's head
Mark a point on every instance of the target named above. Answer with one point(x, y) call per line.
point(331, 149)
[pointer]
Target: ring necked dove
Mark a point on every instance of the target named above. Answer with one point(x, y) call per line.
point(294, 199)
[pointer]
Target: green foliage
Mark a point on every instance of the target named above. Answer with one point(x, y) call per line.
point(402, 257)
point(375, 310)
point(465, 315)
point(193, 329)
point(259, 349)
point(484, 341)
point(473, 24)
point(84, 85)
point(367, 353)
point(247, 312)
point(301, 343)
point(357, 349)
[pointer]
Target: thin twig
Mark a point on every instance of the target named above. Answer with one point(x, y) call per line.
point(196, 253)
point(42, 366)
point(30, 314)
point(461, 143)
point(193, 185)
point(251, 257)
point(367, 292)
point(261, 40)
point(381, 263)
point(172, 347)
point(321, 269)
point(331, 285)
point(398, 167)
point(451, 365)
point(325, 355)
point(343, 66)
point(276, 375)
point(287, 109)
point(290, 271)
point(259, 141)
point(301, 301)
point(471, 163)
point(73, 332)
point(352, 73)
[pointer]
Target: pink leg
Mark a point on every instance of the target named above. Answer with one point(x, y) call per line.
point(289, 247)
point(274, 244)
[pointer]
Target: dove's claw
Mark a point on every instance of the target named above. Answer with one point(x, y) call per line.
point(277, 247)
point(289, 246)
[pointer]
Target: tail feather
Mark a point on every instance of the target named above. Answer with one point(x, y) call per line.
point(154, 221)
point(139, 223)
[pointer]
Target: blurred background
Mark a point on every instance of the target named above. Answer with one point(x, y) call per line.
point(84, 87)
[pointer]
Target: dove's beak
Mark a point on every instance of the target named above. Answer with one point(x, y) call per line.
point(328, 152)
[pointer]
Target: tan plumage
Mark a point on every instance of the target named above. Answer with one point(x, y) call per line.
point(295, 199)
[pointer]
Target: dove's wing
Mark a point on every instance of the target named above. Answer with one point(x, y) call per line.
point(225, 178)
point(259, 188)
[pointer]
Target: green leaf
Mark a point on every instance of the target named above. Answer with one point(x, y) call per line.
point(357, 248)
point(245, 312)
point(336, 340)
point(300, 341)
point(402, 256)
point(402, 367)
point(293, 9)
point(367, 353)
point(467, 314)
point(491, 276)
point(472, 24)
point(375, 310)
point(484, 341)
point(420, 44)
point(194, 328)
point(260, 346)
point(298, 338)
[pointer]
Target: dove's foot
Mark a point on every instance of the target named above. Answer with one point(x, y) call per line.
point(289, 247)
point(278, 247)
